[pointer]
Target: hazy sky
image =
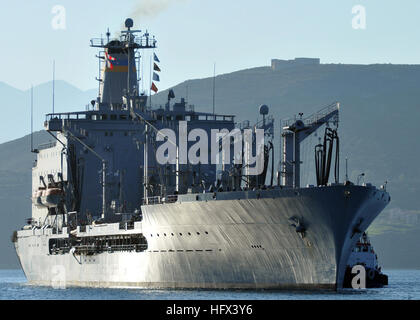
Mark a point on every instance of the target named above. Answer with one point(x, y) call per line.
point(193, 34)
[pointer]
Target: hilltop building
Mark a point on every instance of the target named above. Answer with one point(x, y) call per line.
point(277, 64)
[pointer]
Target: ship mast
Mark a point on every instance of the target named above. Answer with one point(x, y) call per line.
point(129, 25)
point(146, 165)
point(119, 77)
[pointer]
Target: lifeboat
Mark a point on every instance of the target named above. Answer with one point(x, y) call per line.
point(36, 198)
point(51, 197)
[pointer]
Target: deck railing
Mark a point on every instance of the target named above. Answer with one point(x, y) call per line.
point(314, 118)
point(159, 199)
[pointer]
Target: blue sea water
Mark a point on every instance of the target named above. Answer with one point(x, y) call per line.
point(403, 285)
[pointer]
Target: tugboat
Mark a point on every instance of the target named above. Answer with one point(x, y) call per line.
point(363, 254)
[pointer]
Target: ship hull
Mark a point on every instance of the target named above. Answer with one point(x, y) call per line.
point(273, 239)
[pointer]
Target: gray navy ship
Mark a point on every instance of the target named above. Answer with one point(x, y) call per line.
point(106, 213)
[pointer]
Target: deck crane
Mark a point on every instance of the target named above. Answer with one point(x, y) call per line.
point(297, 130)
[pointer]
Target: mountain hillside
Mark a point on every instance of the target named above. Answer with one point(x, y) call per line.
point(15, 106)
point(379, 115)
point(15, 191)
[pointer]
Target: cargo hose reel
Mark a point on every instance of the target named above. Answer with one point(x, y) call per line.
point(323, 157)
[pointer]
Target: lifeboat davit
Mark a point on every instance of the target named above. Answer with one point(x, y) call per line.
point(51, 197)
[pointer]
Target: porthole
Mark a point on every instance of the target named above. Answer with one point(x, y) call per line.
point(180, 234)
point(206, 232)
point(189, 233)
point(198, 233)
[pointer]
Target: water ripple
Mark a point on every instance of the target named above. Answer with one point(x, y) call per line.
point(403, 285)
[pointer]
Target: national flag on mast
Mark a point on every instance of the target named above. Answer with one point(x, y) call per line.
point(116, 64)
point(155, 77)
point(108, 60)
point(156, 67)
point(154, 88)
point(155, 57)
